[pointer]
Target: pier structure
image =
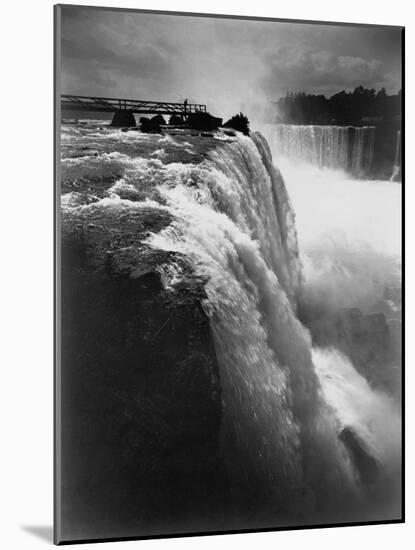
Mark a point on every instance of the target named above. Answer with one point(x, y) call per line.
point(125, 109)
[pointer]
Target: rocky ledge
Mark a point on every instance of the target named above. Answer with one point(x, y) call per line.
point(141, 406)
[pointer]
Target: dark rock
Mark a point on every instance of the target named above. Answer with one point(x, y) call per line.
point(176, 120)
point(158, 119)
point(150, 282)
point(203, 121)
point(141, 407)
point(366, 339)
point(366, 465)
point(123, 119)
point(153, 125)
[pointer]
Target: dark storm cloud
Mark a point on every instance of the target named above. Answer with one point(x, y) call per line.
point(326, 59)
point(102, 53)
point(223, 63)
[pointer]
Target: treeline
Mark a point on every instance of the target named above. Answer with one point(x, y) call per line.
point(357, 107)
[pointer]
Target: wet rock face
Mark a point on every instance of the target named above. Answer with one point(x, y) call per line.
point(141, 406)
point(152, 125)
point(365, 464)
point(370, 340)
point(367, 340)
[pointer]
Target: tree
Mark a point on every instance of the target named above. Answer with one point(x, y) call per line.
point(238, 122)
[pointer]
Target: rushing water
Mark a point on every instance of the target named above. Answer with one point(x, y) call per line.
point(285, 402)
point(338, 147)
point(397, 163)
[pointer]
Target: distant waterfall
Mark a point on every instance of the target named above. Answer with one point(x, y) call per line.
point(363, 147)
point(338, 147)
point(397, 163)
point(323, 146)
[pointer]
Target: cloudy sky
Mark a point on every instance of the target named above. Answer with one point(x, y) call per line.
point(224, 63)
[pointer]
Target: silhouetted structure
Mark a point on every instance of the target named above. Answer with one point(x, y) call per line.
point(203, 121)
point(122, 119)
point(124, 109)
point(176, 120)
point(153, 125)
point(238, 122)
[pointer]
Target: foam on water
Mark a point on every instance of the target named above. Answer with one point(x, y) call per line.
point(284, 403)
point(274, 415)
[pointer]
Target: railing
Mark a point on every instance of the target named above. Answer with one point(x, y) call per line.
point(106, 104)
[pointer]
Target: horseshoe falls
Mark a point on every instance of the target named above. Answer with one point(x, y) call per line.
point(345, 148)
point(397, 163)
point(301, 296)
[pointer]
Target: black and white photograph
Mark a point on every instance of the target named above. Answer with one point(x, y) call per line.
point(228, 218)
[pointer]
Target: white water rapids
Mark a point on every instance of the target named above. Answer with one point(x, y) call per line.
point(238, 228)
point(284, 402)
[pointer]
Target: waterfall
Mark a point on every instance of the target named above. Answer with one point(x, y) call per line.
point(337, 147)
point(363, 148)
point(233, 228)
point(236, 225)
point(397, 163)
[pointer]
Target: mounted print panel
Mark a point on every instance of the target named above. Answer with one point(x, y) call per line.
point(228, 274)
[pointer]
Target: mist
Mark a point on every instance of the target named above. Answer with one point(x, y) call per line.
point(349, 233)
